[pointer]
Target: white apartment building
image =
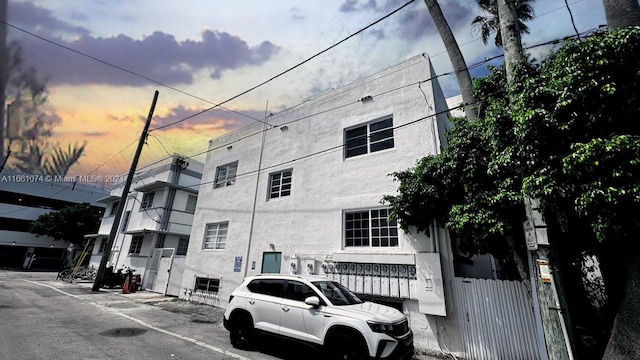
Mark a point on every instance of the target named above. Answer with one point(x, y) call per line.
point(153, 232)
point(301, 193)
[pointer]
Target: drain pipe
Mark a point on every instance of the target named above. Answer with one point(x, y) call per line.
point(255, 195)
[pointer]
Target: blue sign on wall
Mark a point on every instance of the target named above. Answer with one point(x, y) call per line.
point(237, 264)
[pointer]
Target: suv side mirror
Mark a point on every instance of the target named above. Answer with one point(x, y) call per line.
point(313, 301)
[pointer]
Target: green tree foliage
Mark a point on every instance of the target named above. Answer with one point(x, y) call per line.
point(570, 137)
point(70, 223)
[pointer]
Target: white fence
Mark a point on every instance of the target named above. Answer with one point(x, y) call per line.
point(496, 320)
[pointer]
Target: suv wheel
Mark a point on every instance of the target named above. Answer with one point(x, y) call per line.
point(241, 333)
point(345, 347)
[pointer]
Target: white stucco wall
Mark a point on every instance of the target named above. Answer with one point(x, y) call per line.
point(307, 226)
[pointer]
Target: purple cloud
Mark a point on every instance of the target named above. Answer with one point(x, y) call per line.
point(158, 57)
point(217, 118)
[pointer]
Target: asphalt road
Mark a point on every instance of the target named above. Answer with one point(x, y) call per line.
point(44, 318)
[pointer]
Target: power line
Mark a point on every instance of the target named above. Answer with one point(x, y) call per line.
point(337, 147)
point(480, 63)
point(291, 68)
point(125, 70)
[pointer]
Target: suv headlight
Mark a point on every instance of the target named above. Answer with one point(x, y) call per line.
point(380, 327)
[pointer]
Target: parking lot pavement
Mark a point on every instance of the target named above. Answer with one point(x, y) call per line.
point(198, 315)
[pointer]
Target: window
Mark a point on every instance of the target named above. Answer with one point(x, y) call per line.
point(272, 287)
point(207, 284)
point(225, 175)
point(103, 245)
point(215, 236)
point(125, 221)
point(183, 245)
point(298, 291)
point(114, 208)
point(136, 245)
point(373, 137)
point(370, 228)
point(147, 200)
point(191, 204)
point(280, 184)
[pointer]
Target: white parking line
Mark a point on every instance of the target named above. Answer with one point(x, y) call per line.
point(143, 323)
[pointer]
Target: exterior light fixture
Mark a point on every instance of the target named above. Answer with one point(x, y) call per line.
point(284, 128)
point(229, 147)
point(367, 98)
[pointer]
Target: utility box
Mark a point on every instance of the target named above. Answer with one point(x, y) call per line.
point(403, 281)
point(384, 280)
point(394, 288)
point(367, 280)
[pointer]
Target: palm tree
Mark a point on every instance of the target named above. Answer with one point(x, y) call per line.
point(489, 23)
point(456, 58)
point(622, 13)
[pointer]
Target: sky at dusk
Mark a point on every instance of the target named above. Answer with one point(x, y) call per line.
point(103, 60)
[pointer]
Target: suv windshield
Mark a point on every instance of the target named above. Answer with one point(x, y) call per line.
point(337, 294)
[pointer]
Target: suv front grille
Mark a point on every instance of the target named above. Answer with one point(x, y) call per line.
point(400, 328)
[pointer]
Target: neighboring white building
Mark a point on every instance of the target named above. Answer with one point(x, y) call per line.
point(302, 194)
point(153, 233)
point(22, 199)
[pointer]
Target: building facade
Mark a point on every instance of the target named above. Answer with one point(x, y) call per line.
point(301, 193)
point(153, 231)
point(22, 199)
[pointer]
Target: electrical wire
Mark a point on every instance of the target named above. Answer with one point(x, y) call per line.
point(123, 69)
point(473, 66)
point(291, 68)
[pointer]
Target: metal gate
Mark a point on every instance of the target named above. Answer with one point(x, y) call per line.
point(153, 265)
point(496, 319)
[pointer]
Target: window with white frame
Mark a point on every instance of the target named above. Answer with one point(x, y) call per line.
point(136, 245)
point(183, 245)
point(207, 284)
point(225, 175)
point(280, 184)
point(215, 236)
point(147, 200)
point(191, 204)
point(114, 208)
point(370, 228)
point(369, 138)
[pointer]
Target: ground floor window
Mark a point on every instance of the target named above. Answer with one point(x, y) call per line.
point(207, 284)
point(370, 228)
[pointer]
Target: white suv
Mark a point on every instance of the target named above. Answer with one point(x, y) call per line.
point(319, 311)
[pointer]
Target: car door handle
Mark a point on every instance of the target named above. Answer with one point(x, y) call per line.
point(252, 302)
point(285, 309)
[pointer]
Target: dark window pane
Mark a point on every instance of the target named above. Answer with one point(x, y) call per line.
point(386, 144)
point(381, 124)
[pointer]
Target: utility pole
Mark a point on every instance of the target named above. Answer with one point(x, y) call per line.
point(125, 192)
point(553, 340)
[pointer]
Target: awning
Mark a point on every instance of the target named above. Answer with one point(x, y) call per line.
point(157, 185)
point(153, 231)
point(108, 199)
point(89, 236)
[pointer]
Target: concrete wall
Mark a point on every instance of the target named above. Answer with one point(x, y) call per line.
point(307, 226)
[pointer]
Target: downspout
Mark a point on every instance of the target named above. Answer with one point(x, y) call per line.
point(255, 195)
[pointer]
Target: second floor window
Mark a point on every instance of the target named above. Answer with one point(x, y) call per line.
point(280, 184)
point(191, 204)
point(369, 138)
point(147, 200)
point(215, 236)
point(136, 245)
point(226, 175)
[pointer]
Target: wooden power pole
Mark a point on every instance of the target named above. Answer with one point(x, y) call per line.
point(125, 192)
